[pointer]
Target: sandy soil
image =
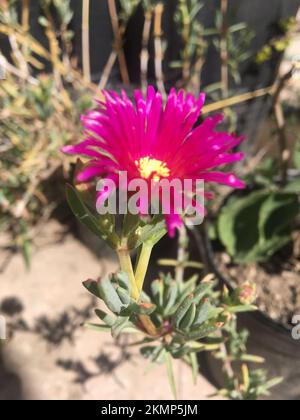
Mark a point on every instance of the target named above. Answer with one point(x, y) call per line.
point(49, 355)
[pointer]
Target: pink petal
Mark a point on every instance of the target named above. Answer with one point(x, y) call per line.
point(223, 178)
point(174, 222)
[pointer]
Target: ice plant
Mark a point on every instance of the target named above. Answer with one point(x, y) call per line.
point(151, 141)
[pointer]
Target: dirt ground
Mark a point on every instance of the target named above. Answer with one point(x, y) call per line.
point(49, 355)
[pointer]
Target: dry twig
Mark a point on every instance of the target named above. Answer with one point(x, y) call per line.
point(118, 43)
point(158, 12)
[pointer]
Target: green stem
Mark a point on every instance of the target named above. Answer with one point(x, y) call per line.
point(183, 243)
point(143, 265)
point(126, 266)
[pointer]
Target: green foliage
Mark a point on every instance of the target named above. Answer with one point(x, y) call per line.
point(250, 386)
point(238, 41)
point(102, 226)
point(279, 43)
point(241, 382)
point(38, 117)
point(187, 318)
point(134, 233)
point(255, 227)
point(192, 34)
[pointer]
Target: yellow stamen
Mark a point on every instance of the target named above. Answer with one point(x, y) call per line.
point(152, 168)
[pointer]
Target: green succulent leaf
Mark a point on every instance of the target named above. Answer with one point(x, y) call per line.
point(110, 296)
point(121, 278)
point(241, 309)
point(194, 365)
point(202, 290)
point(170, 297)
point(98, 327)
point(183, 309)
point(107, 319)
point(123, 295)
point(119, 326)
point(202, 313)
point(143, 308)
point(188, 318)
point(199, 333)
point(152, 232)
point(171, 376)
point(92, 287)
point(100, 226)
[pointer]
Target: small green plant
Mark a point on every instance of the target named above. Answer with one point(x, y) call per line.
point(238, 44)
point(180, 317)
point(194, 44)
point(249, 386)
point(254, 227)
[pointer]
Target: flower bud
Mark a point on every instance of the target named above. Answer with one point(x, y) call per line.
point(246, 294)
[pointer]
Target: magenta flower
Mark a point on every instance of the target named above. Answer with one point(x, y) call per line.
point(152, 141)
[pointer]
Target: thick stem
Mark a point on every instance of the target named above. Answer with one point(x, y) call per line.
point(126, 266)
point(142, 266)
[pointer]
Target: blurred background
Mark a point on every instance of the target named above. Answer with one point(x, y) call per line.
point(55, 57)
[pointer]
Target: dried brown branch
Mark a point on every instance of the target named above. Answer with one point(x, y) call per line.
point(284, 152)
point(235, 100)
point(186, 30)
point(158, 12)
point(118, 42)
point(224, 49)
point(86, 40)
point(107, 70)
point(145, 47)
point(10, 68)
point(25, 15)
point(195, 83)
point(17, 55)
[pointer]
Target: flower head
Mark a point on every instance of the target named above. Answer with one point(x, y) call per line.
point(155, 142)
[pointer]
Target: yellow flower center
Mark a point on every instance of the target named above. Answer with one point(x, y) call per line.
point(152, 168)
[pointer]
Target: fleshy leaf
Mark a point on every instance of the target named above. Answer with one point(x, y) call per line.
point(101, 227)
